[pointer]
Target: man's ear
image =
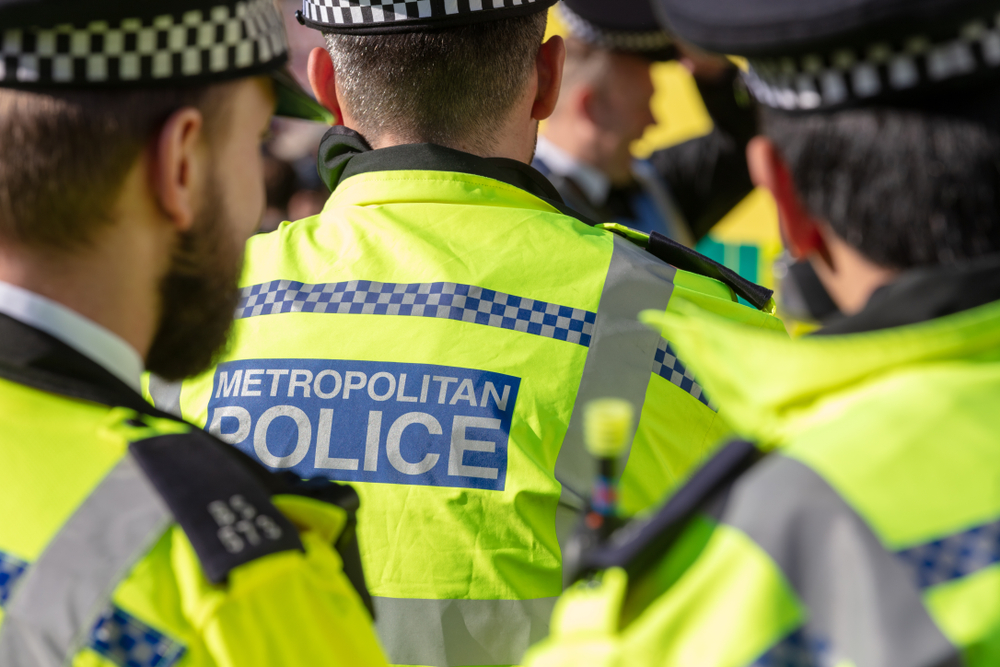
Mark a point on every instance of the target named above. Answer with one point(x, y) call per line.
point(323, 80)
point(178, 166)
point(799, 230)
point(549, 69)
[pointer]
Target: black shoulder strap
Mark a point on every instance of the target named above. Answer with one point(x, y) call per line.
point(222, 499)
point(639, 545)
point(224, 508)
point(686, 259)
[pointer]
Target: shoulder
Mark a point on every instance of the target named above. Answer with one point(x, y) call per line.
point(221, 499)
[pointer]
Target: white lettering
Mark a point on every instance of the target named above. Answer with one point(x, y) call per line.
point(445, 381)
point(227, 388)
point(249, 381)
point(323, 459)
point(424, 387)
point(387, 395)
point(349, 382)
point(317, 384)
point(233, 412)
point(275, 376)
point(490, 390)
point(394, 439)
point(301, 446)
point(460, 445)
point(401, 397)
point(372, 441)
point(294, 382)
point(466, 392)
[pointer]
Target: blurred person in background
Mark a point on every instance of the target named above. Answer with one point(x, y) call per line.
point(604, 107)
point(434, 332)
point(130, 179)
point(294, 188)
point(858, 522)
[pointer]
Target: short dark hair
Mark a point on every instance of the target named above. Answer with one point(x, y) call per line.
point(906, 186)
point(65, 155)
point(442, 87)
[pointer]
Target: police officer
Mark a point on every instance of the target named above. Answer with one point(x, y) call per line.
point(585, 148)
point(432, 333)
point(130, 177)
point(868, 534)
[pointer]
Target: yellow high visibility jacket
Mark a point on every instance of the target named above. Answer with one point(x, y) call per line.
point(431, 337)
point(869, 533)
point(130, 538)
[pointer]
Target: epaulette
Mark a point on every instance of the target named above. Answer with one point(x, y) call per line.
point(686, 259)
point(224, 508)
point(640, 545)
point(221, 498)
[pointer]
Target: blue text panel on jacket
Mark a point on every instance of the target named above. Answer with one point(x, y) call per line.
point(368, 421)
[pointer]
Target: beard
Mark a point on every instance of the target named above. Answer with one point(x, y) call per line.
point(199, 296)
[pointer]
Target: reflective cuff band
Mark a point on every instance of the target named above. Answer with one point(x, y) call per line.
point(59, 599)
point(439, 633)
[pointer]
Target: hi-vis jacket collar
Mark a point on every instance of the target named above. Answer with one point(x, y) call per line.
point(344, 153)
point(35, 359)
point(774, 388)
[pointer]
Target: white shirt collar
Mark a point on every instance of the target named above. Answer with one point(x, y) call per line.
point(592, 181)
point(85, 336)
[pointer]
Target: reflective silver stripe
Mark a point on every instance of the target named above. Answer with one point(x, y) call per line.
point(862, 600)
point(618, 362)
point(453, 633)
point(166, 395)
point(56, 603)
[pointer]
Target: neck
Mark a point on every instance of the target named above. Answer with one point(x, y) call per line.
point(107, 283)
point(849, 277)
point(579, 139)
point(514, 140)
point(575, 139)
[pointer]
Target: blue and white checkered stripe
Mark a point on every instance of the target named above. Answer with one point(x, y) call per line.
point(668, 366)
point(450, 301)
point(955, 556)
point(128, 642)
point(11, 569)
point(798, 649)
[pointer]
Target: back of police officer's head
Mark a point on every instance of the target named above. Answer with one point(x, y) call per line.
point(480, 87)
point(906, 185)
point(882, 145)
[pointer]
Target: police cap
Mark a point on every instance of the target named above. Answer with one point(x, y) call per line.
point(626, 26)
point(389, 16)
point(114, 44)
point(829, 54)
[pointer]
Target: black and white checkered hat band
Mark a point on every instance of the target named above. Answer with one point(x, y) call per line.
point(637, 42)
point(384, 13)
point(848, 76)
point(198, 44)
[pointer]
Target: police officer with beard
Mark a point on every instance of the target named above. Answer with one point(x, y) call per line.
point(130, 178)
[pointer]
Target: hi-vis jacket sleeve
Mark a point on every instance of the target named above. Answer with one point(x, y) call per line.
point(288, 608)
point(778, 570)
